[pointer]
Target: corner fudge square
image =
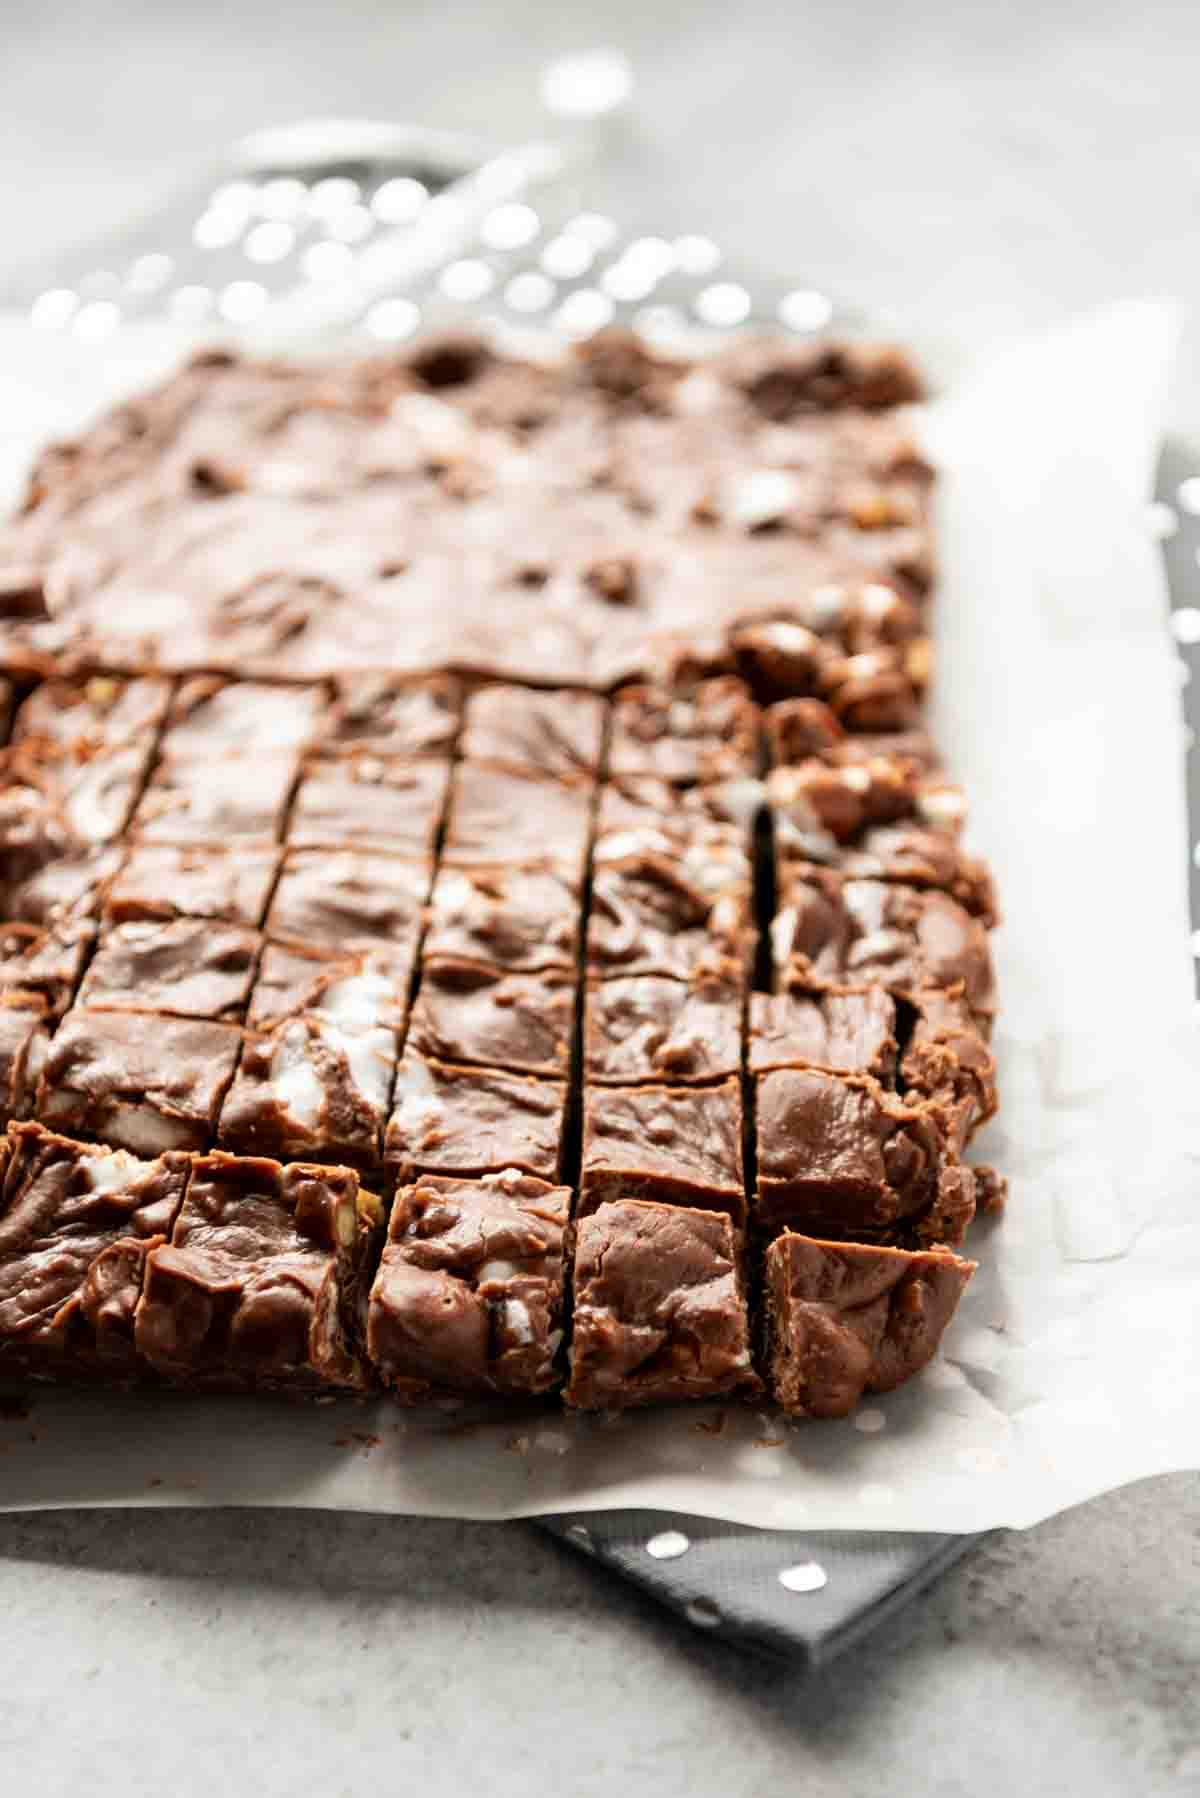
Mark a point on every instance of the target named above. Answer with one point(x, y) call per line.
point(468, 1297)
point(368, 801)
point(660, 1313)
point(138, 1080)
point(97, 712)
point(473, 1120)
point(263, 1283)
point(675, 1145)
point(553, 734)
point(641, 1027)
point(845, 1318)
point(77, 1223)
point(189, 967)
point(520, 1022)
point(348, 900)
point(517, 919)
point(165, 881)
point(505, 815)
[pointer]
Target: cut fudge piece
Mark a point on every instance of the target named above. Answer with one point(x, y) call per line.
point(76, 1225)
point(77, 796)
point(467, 1013)
point(947, 1061)
point(844, 1318)
point(473, 1120)
point(136, 1079)
point(368, 801)
point(354, 991)
point(647, 917)
point(708, 734)
point(214, 717)
point(191, 967)
point(469, 1293)
point(317, 1082)
point(549, 734)
point(349, 901)
point(843, 1157)
point(48, 962)
point(93, 713)
point(69, 885)
point(840, 1032)
point(24, 1041)
point(836, 932)
point(647, 813)
point(643, 1027)
point(659, 1312)
point(163, 881)
point(680, 1145)
point(504, 815)
point(517, 919)
point(217, 801)
point(263, 1283)
point(393, 716)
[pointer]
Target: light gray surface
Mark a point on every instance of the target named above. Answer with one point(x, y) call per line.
point(979, 170)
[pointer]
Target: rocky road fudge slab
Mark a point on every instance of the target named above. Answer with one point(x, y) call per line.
point(263, 1281)
point(660, 1314)
point(843, 1319)
point(469, 1293)
point(76, 1225)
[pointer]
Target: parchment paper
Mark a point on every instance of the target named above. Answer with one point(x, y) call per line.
point(1074, 1364)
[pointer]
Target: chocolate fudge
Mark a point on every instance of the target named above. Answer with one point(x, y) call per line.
point(648, 917)
point(852, 1032)
point(368, 801)
point(643, 1027)
point(191, 967)
point(467, 1013)
point(490, 778)
point(554, 735)
point(138, 1080)
point(473, 1120)
point(25, 1026)
point(349, 901)
point(660, 1313)
point(469, 1293)
point(263, 1281)
point(709, 734)
point(509, 816)
point(215, 802)
point(676, 1145)
point(210, 716)
point(77, 1223)
point(846, 1318)
point(162, 881)
point(521, 919)
point(395, 717)
point(842, 1157)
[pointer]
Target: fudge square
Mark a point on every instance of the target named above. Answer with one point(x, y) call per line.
point(76, 1225)
point(678, 1145)
point(660, 1313)
point(263, 1282)
point(139, 1080)
point(469, 1293)
point(843, 1157)
point(473, 1120)
point(847, 1318)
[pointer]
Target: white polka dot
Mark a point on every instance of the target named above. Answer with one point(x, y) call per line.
point(805, 310)
point(805, 1576)
point(870, 1421)
point(703, 1613)
point(1185, 623)
point(1188, 494)
point(668, 1545)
